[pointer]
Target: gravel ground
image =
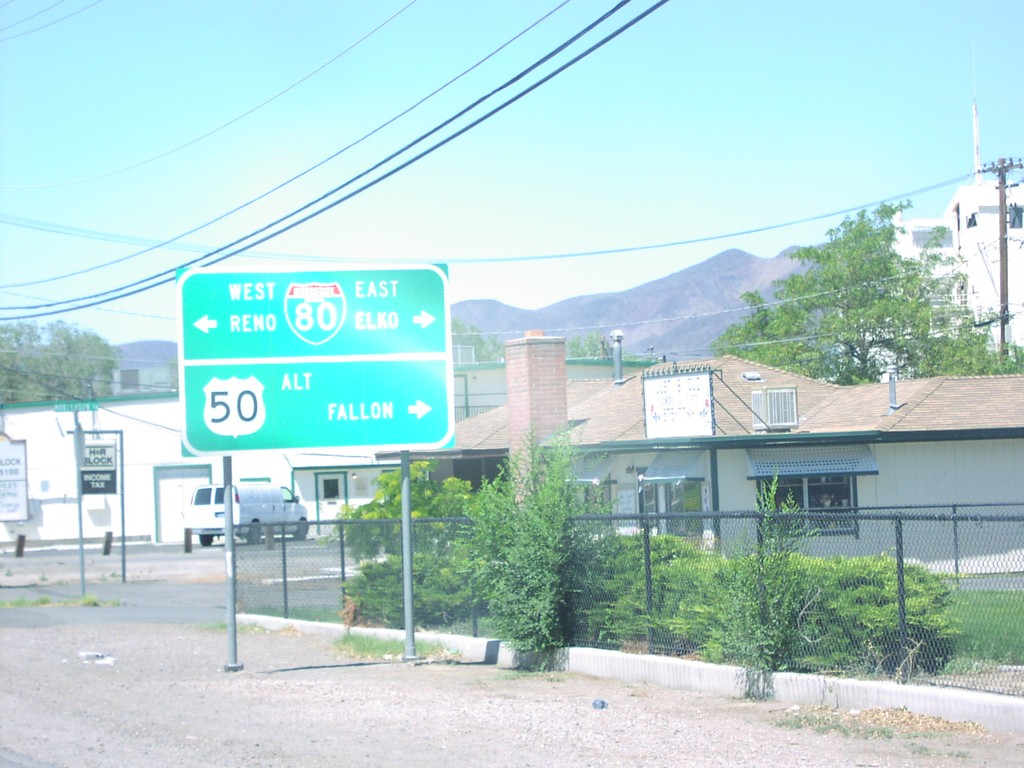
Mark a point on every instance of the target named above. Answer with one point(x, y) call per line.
point(115, 687)
point(158, 697)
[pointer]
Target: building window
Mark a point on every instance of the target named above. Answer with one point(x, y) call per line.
point(674, 497)
point(129, 379)
point(1016, 217)
point(972, 220)
point(597, 493)
point(834, 496)
point(932, 237)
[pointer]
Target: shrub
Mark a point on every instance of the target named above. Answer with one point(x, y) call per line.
point(857, 622)
point(766, 594)
point(376, 526)
point(611, 608)
point(521, 545)
point(442, 592)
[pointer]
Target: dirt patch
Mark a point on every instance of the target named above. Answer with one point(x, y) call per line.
point(97, 696)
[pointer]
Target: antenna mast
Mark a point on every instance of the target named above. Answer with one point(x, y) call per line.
point(977, 145)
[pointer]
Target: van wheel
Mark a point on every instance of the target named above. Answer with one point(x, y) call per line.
point(205, 539)
point(301, 530)
point(252, 533)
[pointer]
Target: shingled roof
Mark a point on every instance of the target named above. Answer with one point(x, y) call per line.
point(602, 412)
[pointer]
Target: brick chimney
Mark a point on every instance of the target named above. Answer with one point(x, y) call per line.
point(536, 376)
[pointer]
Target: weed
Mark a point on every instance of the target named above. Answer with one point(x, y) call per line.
point(368, 647)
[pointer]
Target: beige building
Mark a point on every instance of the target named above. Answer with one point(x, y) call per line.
point(702, 437)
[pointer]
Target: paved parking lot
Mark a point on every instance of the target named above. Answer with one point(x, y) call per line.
point(142, 562)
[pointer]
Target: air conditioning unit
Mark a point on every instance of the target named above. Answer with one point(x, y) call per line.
point(774, 408)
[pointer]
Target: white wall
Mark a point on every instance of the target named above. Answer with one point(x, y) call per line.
point(154, 468)
point(975, 250)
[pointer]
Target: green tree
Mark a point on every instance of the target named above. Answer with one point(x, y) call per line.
point(859, 307)
point(593, 345)
point(55, 362)
point(381, 533)
point(486, 348)
point(521, 545)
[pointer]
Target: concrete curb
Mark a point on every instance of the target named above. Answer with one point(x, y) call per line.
point(474, 649)
point(992, 710)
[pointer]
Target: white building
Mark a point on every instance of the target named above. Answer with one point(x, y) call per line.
point(153, 478)
point(971, 241)
point(156, 481)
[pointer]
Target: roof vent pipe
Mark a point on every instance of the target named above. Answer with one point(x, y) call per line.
point(617, 355)
point(891, 372)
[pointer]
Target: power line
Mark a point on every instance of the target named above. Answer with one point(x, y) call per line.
point(737, 233)
point(154, 245)
point(230, 122)
point(161, 278)
point(32, 16)
point(50, 24)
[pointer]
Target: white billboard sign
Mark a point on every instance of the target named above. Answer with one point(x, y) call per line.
point(679, 405)
point(13, 480)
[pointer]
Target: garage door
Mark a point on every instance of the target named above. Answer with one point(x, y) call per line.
point(174, 486)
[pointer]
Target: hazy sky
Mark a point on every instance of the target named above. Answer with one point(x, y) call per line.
point(125, 124)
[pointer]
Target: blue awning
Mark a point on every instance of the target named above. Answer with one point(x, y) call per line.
point(804, 461)
point(675, 465)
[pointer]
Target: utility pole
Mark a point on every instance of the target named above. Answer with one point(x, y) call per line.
point(1001, 168)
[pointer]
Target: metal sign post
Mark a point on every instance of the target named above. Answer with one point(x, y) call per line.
point(274, 359)
point(79, 454)
point(229, 567)
point(410, 637)
point(105, 478)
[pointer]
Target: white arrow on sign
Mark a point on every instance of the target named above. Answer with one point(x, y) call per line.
point(419, 409)
point(205, 324)
point(423, 319)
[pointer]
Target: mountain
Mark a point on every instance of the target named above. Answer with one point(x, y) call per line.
point(147, 354)
point(677, 316)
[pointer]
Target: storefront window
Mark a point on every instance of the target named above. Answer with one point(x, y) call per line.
point(832, 495)
point(677, 497)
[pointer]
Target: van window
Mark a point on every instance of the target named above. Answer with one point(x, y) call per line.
point(202, 496)
point(219, 496)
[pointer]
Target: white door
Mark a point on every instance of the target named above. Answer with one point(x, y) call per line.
point(174, 486)
point(330, 494)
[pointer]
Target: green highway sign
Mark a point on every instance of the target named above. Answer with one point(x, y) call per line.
point(357, 358)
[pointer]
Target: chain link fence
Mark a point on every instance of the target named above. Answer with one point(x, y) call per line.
point(351, 571)
point(933, 595)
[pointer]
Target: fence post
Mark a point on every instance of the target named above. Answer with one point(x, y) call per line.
point(956, 544)
point(341, 538)
point(901, 602)
point(648, 584)
point(284, 570)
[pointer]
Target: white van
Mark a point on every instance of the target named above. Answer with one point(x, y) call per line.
point(253, 503)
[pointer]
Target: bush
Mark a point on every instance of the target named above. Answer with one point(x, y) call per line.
point(521, 543)
point(766, 594)
point(611, 609)
point(442, 592)
point(375, 527)
point(856, 625)
point(837, 615)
